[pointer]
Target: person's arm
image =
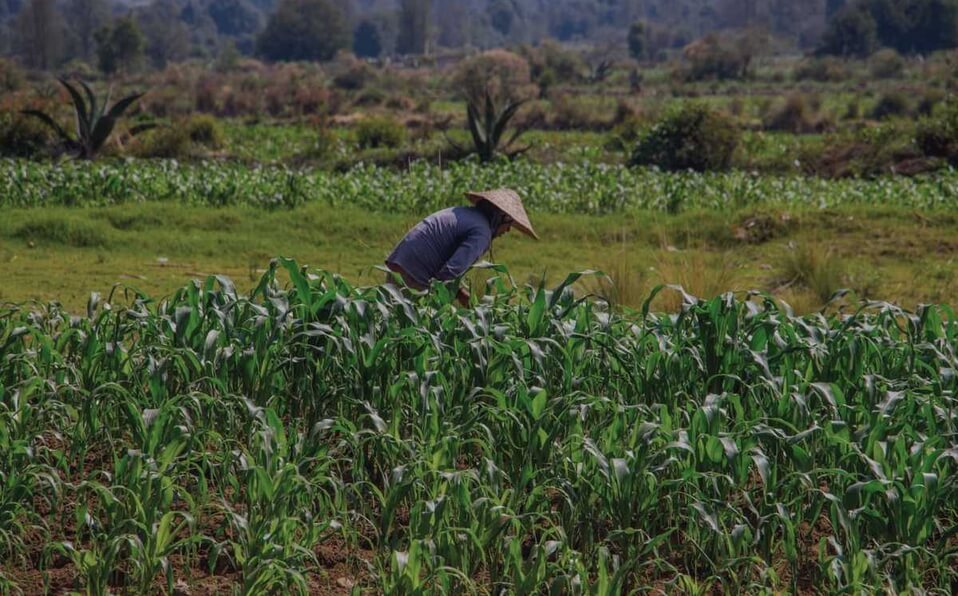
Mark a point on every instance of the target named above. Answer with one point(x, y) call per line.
point(468, 252)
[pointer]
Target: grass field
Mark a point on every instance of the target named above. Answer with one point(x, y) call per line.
point(60, 253)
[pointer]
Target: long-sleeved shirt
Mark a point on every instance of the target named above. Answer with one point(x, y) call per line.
point(444, 245)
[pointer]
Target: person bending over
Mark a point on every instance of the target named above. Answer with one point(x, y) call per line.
point(444, 245)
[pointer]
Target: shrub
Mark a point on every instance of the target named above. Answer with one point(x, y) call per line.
point(823, 70)
point(370, 98)
point(886, 64)
point(890, 105)
point(205, 130)
point(691, 137)
point(796, 116)
point(579, 113)
point(929, 100)
point(11, 77)
point(351, 73)
point(23, 137)
point(871, 151)
point(938, 136)
point(376, 132)
point(165, 142)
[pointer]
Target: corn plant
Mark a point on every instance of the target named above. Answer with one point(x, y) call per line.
point(312, 432)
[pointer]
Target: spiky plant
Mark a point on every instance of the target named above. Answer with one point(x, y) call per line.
point(488, 123)
point(94, 122)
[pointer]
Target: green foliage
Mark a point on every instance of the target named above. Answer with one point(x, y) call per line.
point(716, 57)
point(205, 130)
point(636, 40)
point(381, 131)
point(886, 64)
point(120, 46)
point(815, 268)
point(94, 122)
point(909, 26)
point(581, 187)
point(304, 30)
point(890, 105)
point(23, 137)
point(367, 42)
point(488, 124)
point(937, 136)
point(535, 443)
point(65, 231)
point(826, 69)
point(414, 18)
point(691, 137)
point(852, 32)
point(165, 142)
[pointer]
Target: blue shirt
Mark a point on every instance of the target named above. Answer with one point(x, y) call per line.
point(444, 245)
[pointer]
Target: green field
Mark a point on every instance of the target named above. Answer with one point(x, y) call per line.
point(312, 437)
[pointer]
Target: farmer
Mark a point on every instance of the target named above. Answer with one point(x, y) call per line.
point(447, 243)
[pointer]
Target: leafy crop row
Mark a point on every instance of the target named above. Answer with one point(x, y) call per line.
point(534, 443)
point(561, 188)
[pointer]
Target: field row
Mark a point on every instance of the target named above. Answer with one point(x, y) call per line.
point(586, 188)
point(316, 436)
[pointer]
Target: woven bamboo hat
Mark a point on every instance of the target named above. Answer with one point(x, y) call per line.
point(509, 202)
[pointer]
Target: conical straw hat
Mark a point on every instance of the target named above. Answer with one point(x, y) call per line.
point(508, 201)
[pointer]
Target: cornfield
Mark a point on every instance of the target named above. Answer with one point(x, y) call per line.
point(537, 443)
point(584, 187)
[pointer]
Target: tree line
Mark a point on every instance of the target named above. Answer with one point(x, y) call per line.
point(124, 34)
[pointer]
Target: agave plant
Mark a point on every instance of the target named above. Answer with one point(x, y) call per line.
point(94, 122)
point(488, 124)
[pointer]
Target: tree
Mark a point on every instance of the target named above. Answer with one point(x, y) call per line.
point(235, 17)
point(851, 33)
point(414, 27)
point(832, 7)
point(40, 31)
point(366, 40)
point(637, 40)
point(120, 47)
point(304, 30)
point(85, 18)
point(502, 16)
point(167, 36)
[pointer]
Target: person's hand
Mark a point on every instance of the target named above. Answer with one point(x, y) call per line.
point(463, 297)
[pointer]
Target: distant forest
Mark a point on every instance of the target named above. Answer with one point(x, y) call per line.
point(50, 33)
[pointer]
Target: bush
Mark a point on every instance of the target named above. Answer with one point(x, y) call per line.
point(23, 136)
point(891, 105)
point(166, 142)
point(351, 73)
point(796, 116)
point(374, 133)
point(11, 77)
point(938, 136)
point(690, 137)
point(579, 113)
point(929, 100)
point(822, 70)
point(205, 130)
point(886, 64)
